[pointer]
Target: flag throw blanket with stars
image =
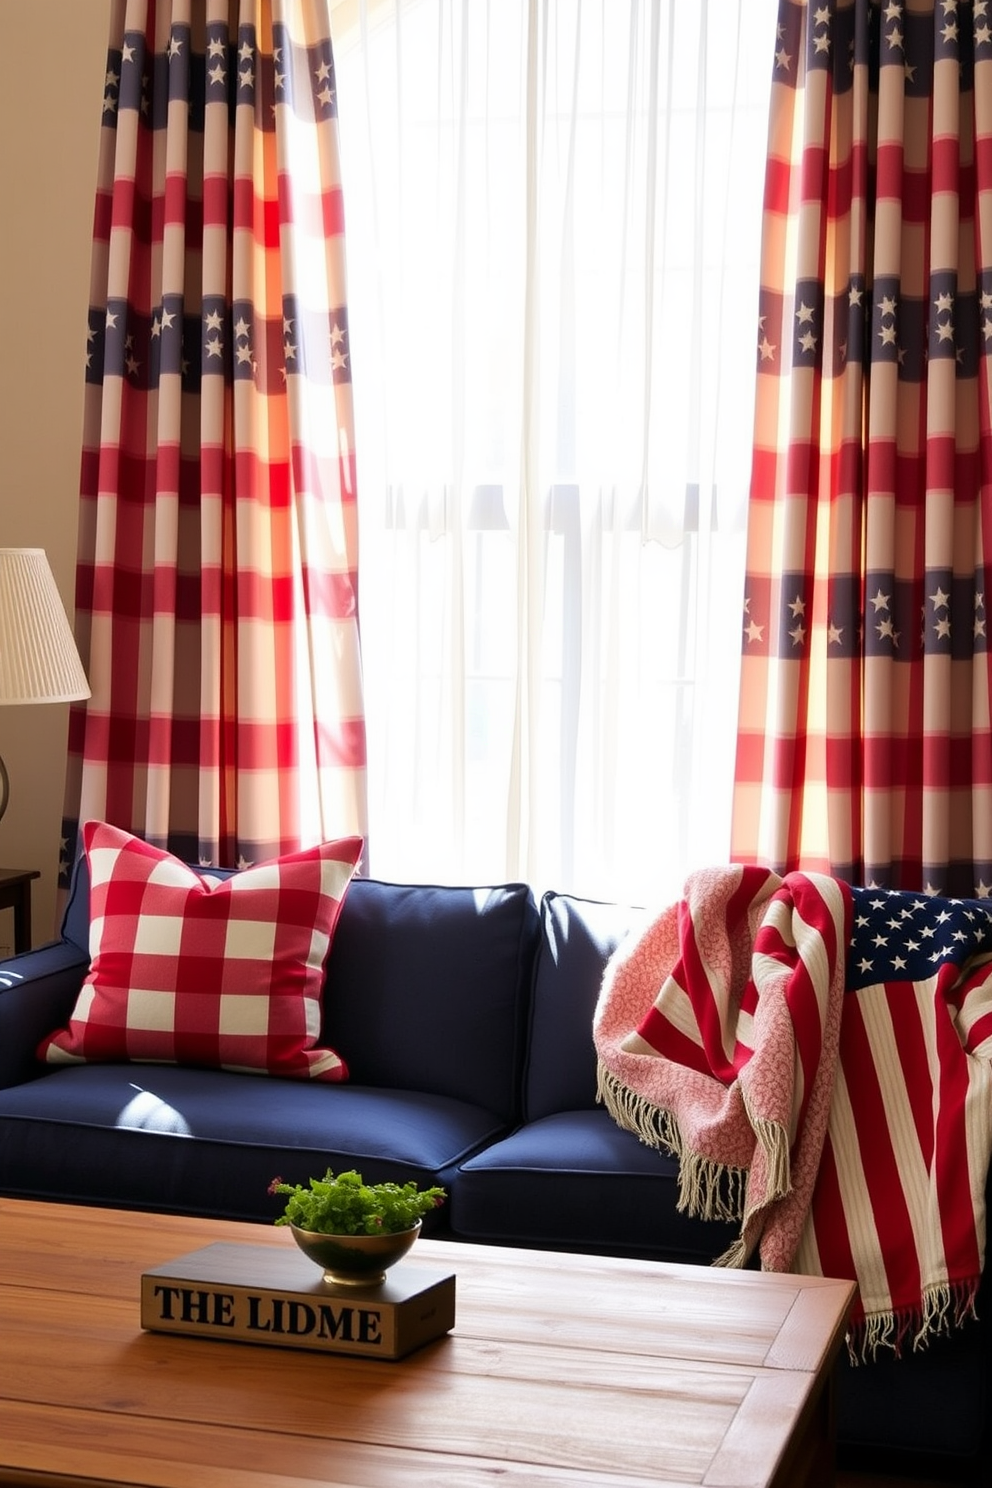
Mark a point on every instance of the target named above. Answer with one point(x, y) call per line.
point(818, 1059)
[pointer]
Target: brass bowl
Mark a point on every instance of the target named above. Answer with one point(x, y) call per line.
point(355, 1260)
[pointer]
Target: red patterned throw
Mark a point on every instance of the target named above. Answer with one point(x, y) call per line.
point(818, 1058)
point(189, 968)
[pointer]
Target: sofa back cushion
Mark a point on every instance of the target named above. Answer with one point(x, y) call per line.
point(76, 915)
point(427, 989)
point(578, 936)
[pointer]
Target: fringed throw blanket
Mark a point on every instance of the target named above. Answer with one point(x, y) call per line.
point(818, 1058)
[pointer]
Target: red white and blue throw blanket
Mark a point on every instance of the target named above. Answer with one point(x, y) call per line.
point(819, 1058)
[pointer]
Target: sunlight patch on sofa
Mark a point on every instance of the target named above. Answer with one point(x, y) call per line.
point(148, 1112)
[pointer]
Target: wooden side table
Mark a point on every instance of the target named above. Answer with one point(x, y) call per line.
point(15, 894)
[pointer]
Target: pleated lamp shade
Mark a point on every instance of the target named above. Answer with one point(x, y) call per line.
point(39, 662)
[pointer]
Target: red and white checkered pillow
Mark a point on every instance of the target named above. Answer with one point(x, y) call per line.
point(189, 969)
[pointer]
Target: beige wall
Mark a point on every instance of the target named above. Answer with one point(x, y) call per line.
point(52, 64)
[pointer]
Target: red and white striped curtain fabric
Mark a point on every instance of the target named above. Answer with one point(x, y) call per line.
point(864, 742)
point(216, 601)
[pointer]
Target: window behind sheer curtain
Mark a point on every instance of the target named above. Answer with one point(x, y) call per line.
point(553, 213)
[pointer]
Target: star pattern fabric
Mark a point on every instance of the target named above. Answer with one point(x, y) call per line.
point(217, 569)
point(865, 727)
point(900, 936)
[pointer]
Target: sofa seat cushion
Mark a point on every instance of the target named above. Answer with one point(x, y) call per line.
point(208, 1142)
point(574, 1181)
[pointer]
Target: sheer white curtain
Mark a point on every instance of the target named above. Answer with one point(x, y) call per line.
point(553, 211)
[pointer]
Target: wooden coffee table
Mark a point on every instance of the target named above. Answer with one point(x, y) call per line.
point(560, 1369)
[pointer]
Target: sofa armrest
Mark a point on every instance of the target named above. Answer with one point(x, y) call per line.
point(38, 991)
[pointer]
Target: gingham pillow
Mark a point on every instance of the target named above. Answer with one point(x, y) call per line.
point(189, 969)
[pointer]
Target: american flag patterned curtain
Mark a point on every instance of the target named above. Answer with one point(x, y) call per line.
point(216, 600)
point(864, 729)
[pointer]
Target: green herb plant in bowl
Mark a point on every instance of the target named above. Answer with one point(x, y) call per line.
point(354, 1230)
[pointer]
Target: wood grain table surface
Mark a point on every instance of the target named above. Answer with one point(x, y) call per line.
point(560, 1369)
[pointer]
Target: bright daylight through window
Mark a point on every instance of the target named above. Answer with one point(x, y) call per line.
point(552, 226)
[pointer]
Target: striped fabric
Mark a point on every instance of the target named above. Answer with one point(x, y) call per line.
point(899, 1200)
point(216, 599)
point(820, 1060)
point(865, 735)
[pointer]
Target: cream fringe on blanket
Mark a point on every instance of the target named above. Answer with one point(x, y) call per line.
point(707, 1190)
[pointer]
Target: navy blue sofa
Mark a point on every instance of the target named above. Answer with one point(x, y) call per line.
point(464, 1015)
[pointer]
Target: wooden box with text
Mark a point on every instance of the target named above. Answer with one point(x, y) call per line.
point(259, 1294)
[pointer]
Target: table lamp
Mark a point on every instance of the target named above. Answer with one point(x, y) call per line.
point(39, 662)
